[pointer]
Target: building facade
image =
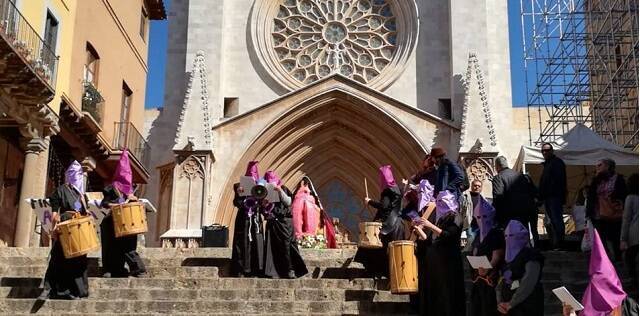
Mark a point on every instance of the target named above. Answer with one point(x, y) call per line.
point(91, 59)
point(327, 89)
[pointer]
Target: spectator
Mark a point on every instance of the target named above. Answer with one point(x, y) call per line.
point(450, 176)
point(513, 196)
point(605, 205)
point(469, 203)
point(629, 232)
point(553, 192)
point(428, 172)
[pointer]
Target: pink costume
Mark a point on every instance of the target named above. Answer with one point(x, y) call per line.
point(306, 213)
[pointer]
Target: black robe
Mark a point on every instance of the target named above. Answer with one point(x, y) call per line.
point(483, 290)
point(281, 248)
point(117, 251)
point(629, 307)
point(442, 276)
point(533, 305)
point(66, 278)
point(376, 261)
point(247, 256)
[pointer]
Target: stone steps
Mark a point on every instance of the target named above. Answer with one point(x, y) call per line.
point(84, 306)
point(196, 281)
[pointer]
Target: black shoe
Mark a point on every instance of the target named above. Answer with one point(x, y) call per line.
point(142, 274)
point(62, 297)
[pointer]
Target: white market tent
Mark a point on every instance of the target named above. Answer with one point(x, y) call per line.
point(580, 148)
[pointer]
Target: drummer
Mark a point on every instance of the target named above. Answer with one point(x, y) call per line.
point(67, 278)
point(388, 213)
point(117, 251)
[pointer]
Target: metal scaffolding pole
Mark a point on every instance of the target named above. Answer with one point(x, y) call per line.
point(581, 66)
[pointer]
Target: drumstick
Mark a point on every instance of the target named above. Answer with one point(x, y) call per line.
point(366, 188)
point(430, 208)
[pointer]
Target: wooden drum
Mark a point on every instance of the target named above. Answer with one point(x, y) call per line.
point(78, 236)
point(129, 219)
point(370, 235)
point(403, 267)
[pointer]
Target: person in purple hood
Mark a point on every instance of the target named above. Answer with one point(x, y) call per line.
point(442, 277)
point(604, 295)
point(67, 278)
point(489, 242)
point(118, 251)
point(519, 293)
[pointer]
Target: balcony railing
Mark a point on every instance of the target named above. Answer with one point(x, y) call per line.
point(26, 41)
point(127, 136)
point(92, 101)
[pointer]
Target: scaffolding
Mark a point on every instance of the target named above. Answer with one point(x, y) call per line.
point(581, 66)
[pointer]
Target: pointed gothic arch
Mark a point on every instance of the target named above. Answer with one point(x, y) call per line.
point(334, 135)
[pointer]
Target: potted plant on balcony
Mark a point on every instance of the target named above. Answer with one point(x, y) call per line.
point(91, 100)
point(40, 68)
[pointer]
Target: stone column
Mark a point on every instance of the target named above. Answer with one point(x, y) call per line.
point(33, 186)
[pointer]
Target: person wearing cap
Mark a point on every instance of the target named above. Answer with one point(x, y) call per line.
point(67, 278)
point(441, 281)
point(118, 251)
point(520, 290)
point(450, 176)
point(247, 255)
point(553, 192)
point(427, 172)
point(604, 295)
point(282, 257)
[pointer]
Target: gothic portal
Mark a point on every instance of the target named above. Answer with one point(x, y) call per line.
point(330, 89)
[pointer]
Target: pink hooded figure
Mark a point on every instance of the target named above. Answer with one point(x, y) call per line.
point(123, 177)
point(604, 292)
point(386, 177)
point(252, 170)
point(305, 210)
point(271, 177)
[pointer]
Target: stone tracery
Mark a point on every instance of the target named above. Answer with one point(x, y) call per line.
point(315, 38)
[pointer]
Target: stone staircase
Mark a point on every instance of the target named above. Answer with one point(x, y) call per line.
point(196, 281)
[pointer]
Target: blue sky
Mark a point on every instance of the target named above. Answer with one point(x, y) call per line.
point(158, 54)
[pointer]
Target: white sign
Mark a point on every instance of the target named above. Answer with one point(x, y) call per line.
point(479, 262)
point(565, 297)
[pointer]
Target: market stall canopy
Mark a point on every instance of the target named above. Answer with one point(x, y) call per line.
point(580, 148)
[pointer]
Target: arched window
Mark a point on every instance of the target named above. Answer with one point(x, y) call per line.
point(91, 65)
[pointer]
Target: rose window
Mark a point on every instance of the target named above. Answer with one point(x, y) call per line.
point(316, 38)
point(302, 41)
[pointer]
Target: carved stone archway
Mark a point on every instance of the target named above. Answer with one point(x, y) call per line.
point(333, 136)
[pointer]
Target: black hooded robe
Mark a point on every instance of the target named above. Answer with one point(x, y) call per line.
point(483, 289)
point(281, 248)
point(441, 278)
point(376, 261)
point(117, 251)
point(533, 305)
point(66, 278)
point(247, 256)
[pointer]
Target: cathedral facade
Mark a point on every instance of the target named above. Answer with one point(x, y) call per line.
point(330, 89)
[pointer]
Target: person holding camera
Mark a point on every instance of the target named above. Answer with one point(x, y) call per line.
point(247, 256)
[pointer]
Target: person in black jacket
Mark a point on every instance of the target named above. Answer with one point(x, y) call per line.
point(450, 176)
point(513, 196)
point(553, 191)
point(605, 204)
